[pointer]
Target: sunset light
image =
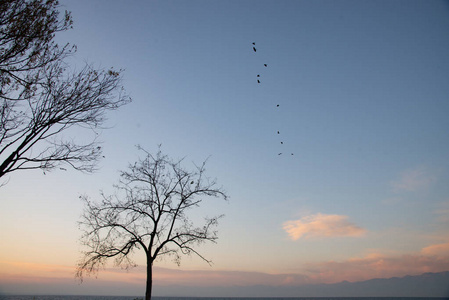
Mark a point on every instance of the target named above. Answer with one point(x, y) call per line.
point(221, 149)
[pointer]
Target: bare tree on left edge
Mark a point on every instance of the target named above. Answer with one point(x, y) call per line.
point(27, 31)
point(40, 97)
point(79, 99)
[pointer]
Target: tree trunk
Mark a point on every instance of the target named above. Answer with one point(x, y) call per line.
point(149, 279)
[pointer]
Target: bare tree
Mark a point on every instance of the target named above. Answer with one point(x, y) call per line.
point(40, 98)
point(148, 212)
point(27, 29)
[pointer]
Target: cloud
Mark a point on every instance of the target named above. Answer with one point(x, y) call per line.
point(434, 258)
point(442, 212)
point(34, 273)
point(167, 277)
point(413, 180)
point(16, 277)
point(322, 225)
point(439, 250)
point(44, 270)
point(38, 284)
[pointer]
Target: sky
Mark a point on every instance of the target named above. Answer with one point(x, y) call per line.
point(358, 91)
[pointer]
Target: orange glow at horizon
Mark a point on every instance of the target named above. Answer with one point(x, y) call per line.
point(433, 258)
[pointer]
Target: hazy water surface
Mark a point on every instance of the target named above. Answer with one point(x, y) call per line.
point(44, 297)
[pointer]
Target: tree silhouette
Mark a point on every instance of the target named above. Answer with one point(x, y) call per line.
point(40, 98)
point(148, 212)
point(27, 29)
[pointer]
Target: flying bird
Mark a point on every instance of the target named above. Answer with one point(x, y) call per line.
point(254, 44)
point(279, 153)
point(254, 48)
point(277, 105)
point(265, 65)
point(258, 75)
point(278, 131)
point(258, 81)
point(282, 143)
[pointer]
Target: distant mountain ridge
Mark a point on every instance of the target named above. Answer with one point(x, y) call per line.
point(424, 285)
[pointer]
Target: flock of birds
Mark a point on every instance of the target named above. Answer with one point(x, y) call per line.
point(277, 105)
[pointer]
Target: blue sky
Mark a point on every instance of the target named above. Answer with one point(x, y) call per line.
point(362, 89)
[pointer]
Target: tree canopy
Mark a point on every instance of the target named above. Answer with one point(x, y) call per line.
point(41, 97)
point(148, 212)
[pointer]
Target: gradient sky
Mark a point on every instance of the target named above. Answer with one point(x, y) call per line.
point(363, 95)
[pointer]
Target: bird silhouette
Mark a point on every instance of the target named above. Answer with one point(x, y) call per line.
point(277, 105)
point(192, 182)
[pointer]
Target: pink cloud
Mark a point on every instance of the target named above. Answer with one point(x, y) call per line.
point(44, 270)
point(440, 250)
point(322, 225)
point(31, 275)
point(413, 180)
point(434, 258)
point(16, 276)
point(163, 276)
point(443, 212)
